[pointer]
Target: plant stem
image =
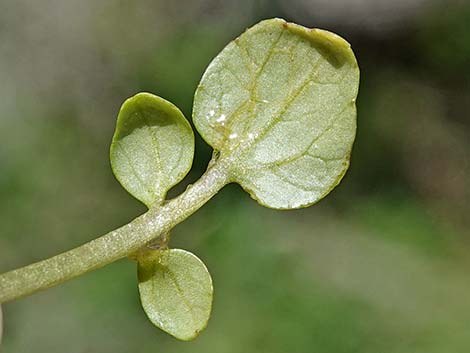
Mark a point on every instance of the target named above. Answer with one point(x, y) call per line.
point(116, 244)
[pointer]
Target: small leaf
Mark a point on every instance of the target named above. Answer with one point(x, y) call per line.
point(152, 148)
point(176, 292)
point(279, 104)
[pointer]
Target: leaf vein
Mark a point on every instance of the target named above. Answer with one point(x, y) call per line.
point(156, 148)
point(134, 171)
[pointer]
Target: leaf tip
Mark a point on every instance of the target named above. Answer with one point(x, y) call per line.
point(335, 48)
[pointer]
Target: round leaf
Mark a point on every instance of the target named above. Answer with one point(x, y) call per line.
point(279, 104)
point(152, 147)
point(176, 292)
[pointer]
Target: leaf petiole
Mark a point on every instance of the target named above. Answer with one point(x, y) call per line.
point(116, 244)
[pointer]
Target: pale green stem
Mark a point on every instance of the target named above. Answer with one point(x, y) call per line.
point(113, 245)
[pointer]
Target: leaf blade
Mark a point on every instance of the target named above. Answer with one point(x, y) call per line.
point(176, 292)
point(152, 148)
point(295, 98)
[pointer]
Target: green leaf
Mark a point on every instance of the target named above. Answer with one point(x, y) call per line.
point(279, 104)
point(176, 292)
point(152, 147)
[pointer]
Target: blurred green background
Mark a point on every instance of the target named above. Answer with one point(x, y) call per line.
point(380, 265)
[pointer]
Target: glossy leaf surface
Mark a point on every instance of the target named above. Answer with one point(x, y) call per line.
point(152, 147)
point(279, 103)
point(176, 292)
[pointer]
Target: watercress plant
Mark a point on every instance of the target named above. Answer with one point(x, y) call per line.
point(278, 107)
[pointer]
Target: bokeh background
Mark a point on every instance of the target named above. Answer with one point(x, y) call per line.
point(380, 265)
